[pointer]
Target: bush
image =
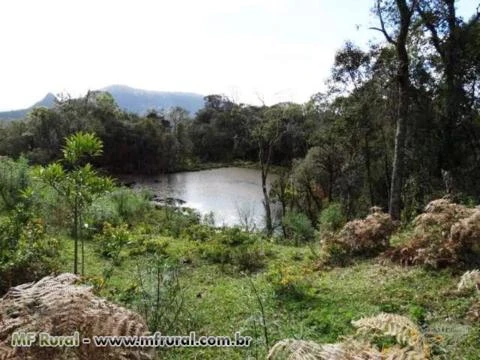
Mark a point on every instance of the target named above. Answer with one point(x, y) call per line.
point(198, 232)
point(120, 206)
point(14, 179)
point(27, 253)
point(158, 295)
point(146, 245)
point(233, 246)
point(331, 218)
point(298, 227)
point(358, 238)
point(368, 236)
point(101, 211)
point(130, 205)
point(112, 240)
point(174, 221)
point(445, 234)
point(288, 281)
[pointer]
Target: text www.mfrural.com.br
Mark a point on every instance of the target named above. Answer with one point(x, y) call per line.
point(26, 339)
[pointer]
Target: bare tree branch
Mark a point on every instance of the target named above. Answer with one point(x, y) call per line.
point(437, 42)
point(413, 5)
point(382, 28)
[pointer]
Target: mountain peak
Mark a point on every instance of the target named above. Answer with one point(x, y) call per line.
point(47, 101)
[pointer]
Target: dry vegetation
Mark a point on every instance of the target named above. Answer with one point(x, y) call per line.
point(445, 234)
point(368, 235)
point(365, 237)
point(59, 307)
point(410, 343)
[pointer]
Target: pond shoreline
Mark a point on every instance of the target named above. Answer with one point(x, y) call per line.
point(233, 194)
point(274, 169)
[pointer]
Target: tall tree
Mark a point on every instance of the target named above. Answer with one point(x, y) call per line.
point(449, 38)
point(267, 131)
point(399, 12)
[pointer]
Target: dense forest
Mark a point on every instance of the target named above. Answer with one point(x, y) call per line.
point(397, 127)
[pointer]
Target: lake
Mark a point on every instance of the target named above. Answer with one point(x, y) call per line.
point(229, 193)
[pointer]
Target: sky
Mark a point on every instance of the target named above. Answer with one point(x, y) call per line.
point(249, 50)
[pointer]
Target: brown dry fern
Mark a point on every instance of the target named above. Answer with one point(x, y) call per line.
point(445, 234)
point(59, 307)
point(411, 344)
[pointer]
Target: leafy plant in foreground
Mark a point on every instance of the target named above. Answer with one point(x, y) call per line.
point(76, 182)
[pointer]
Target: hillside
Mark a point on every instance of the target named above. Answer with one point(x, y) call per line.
point(47, 101)
point(140, 101)
point(130, 99)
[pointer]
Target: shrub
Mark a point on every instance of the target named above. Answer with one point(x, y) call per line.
point(146, 245)
point(289, 281)
point(157, 293)
point(112, 240)
point(298, 227)
point(233, 246)
point(130, 205)
point(175, 221)
point(198, 232)
point(101, 211)
point(367, 236)
point(331, 218)
point(14, 178)
point(27, 253)
point(249, 258)
point(445, 234)
point(358, 237)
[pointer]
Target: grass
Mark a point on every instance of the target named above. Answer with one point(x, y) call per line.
point(222, 301)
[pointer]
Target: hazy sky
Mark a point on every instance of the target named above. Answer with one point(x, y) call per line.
point(277, 50)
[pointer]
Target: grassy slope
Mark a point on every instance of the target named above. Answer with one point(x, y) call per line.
point(221, 301)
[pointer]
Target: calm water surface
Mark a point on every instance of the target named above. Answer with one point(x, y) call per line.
point(227, 192)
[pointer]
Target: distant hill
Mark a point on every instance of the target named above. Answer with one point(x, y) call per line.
point(128, 98)
point(47, 101)
point(140, 101)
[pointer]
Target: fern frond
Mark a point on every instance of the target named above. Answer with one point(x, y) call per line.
point(290, 349)
point(400, 327)
point(411, 344)
point(469, 280)
point(57, 306)
point(308, 350)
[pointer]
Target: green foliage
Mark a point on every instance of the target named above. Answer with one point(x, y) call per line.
point(81, 146)
point(246, 251)
point(78, 185)
point(331, 218)
point(28, 253)
point(14, 179)
point(298, 227)
point(158, 295)
point(175, 222)
point(112, 240)
point(289, 282)
point(198, 232)
point(130, 205)
point(102, 209)
point(334, 254)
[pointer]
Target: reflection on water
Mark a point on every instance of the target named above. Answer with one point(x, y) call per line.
point(230, 193)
